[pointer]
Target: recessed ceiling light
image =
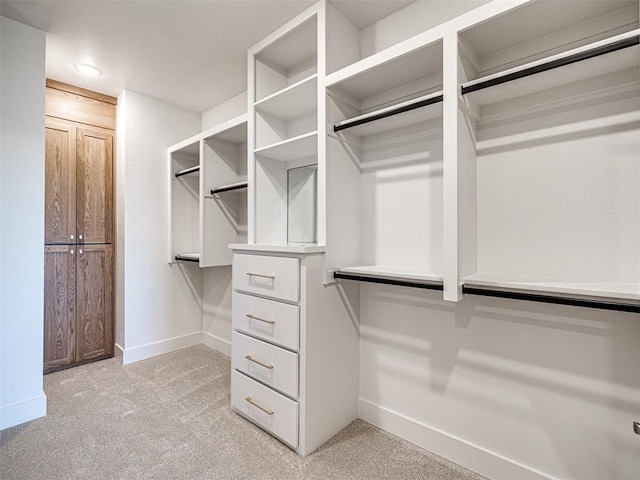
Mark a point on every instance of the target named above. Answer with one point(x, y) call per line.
point(88, 69)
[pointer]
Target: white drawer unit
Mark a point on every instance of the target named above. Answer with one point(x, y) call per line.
point(271, 365)
point(265, 407)
point(270, 276)
point(294, 363)
point(275, 322)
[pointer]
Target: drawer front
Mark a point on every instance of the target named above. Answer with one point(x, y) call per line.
point(273, 366)
point(265, 407)
point(276, 277)
point(275, 322)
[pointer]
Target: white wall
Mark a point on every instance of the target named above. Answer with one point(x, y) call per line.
point(232, 108)
point(506, 388)
point(21, 222)
point(162, 302)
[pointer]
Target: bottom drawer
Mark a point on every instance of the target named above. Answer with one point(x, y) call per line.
point(265, 407)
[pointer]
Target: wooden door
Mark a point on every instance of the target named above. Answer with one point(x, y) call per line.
point(94, 307)
point(94, 177)
point(59, 306)
point(60, 182)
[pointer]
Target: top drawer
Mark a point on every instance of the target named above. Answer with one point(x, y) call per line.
point(276, 277)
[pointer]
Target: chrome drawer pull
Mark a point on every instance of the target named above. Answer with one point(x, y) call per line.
point(250, 315)
point(265, 365)
point(264, 409)
point(272, 277)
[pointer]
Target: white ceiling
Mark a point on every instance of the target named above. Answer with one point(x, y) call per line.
point(191, 53)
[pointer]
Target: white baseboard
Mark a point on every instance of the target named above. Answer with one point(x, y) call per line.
point(135, 354)
point(217, 343)
point(118, 353)
point(21, 412)
point(472, 457)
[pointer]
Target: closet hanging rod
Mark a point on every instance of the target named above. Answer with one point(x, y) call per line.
point(187, 171)
point(614, 44)
point(532, 297)
point(387, 281)
point(390, 111)
point(228, 188)
point(180, 258)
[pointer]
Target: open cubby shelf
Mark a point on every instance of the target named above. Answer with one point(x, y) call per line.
point(302, 146)
point(293, 101)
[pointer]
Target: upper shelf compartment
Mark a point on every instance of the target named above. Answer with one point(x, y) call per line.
point(390, 95)
point(185, 158)
point(294, 101)
point(292, 58)
point(537, 51)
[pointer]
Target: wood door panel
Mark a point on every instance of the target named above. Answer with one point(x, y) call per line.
point(80, 108)
point(94, 179)
point(60, 183)
point(59, 306)
point(94, 308)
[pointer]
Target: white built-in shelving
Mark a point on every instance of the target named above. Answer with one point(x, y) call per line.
point(224, 191)
point(284, 79)
point(551, 111)
point(184, 193)
point(385, 150)
point(208, 194)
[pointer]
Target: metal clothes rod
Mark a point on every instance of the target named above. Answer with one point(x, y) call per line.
point(531, 297)
point(405, 107)
point(560, 62)
point(180, 258)
point(387, 281)
point(228, 188)
point(187, 171)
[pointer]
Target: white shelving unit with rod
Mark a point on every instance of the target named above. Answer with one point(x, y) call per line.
point(385, 165)
point(184, 194)
point(208, 189)
point(223, 210)
point(550, 118)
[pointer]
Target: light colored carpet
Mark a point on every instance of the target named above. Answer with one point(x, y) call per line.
point(169, 418)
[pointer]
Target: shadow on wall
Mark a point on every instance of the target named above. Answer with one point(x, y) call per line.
point(563, 380)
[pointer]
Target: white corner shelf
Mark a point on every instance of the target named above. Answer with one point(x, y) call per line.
point(302, 146)
point(611, 291)
point(294, 101)
point(569, 67)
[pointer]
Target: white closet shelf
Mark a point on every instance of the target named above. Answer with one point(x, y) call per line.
point(294, 101)
point(280, 247)
point(188, 257)
point(302, 146)
point(610, 55)
point(412, 60)
point(395, 116)
point(392, 275)
point(233, 131)
point(615, 292)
